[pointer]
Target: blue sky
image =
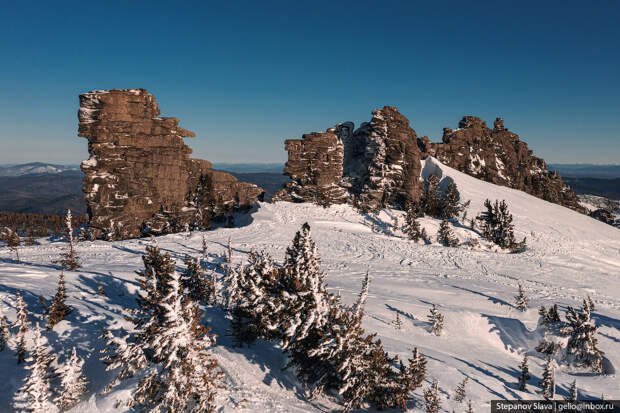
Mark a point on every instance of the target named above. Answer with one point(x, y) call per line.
point(244, 76)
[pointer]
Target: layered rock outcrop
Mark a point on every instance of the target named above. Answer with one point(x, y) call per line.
point(499, 156)
point(139, 177)
point(379, 163)
point(376, 165)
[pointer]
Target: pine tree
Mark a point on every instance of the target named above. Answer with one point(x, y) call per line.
point(451, 206)
point(432, 196)
point(195, 281)
point(547, 383)
point(572, 392)
point(34, 396)
point(73, 382)
point(58, 309)
point(446, 236)
point(432, 402)
point(22, 329)
point(524, 376)
point(521, 299)
point(412, 226)
point(425, 237)
point(582, 343)
point(497, 226)
point(30, 241)
point(4, 332)
point(101, 291)
point(124, 354)
point(469, 408)
point(460, 392)
point(358, 308)
point(205, 248)
point(68, 258)
point(436, 320)
point(398, 323)
point(255, 310)
point(12, 240)
point(202, 201)
point(395, 223)
point(187, 376)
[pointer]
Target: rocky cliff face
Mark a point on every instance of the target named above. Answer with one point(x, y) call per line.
point(498, 156)
point(139, 177)
point(376, 165)
point(379, 163)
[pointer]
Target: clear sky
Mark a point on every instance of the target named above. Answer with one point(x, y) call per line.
point(244, 76)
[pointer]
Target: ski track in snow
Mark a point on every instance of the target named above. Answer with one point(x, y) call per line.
point(569, 255)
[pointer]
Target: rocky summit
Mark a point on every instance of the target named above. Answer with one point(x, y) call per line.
point(378, 164)
point(139, 178)
point(499, 156)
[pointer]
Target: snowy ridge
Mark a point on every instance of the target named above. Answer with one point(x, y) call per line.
point(569, 256)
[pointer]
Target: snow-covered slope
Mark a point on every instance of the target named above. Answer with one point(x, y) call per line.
point(569, 256)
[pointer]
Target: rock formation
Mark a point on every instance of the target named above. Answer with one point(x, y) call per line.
point(139, 177)
point(499, 156)
point(379, 163)
point(376, 165)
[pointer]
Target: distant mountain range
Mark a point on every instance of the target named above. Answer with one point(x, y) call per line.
point(36, 168)
point(586, 170)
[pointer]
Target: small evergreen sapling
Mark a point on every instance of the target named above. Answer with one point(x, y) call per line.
point(68, 258)
point(432, 402)
point(412, 226)
point(73, 383)
point(4, 332)
point(547, 383)
point(572, 392)
point(460, 392)
point(205, 248)
point(521, 299)
point(58, 309)
point(398, 323)
point(497, 226)
point(436, 320)
point(524, 375)
point(22, 329)
point(36, 394)
point(446, 236)
point(469, 408)
point(12, 240)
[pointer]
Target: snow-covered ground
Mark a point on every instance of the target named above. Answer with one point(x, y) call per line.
point(569, 256)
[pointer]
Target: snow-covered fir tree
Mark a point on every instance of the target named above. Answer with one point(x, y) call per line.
point(12, 240)
point(460, 393)
point(497, 225)
point(122, 353)
point(36, 394)
point(4, 332)
point(445, 236)
point(431, 201)
point(22, 329)
point(398, 322)
point(451, 203)
point(412, 226)
point(524, 374)
point(573, 394)
point(436, 320)
point(547, 383)
point(255, 310)
point(358, 307)
point(73, 382)
point(58, 309)
point(203, 203)
point(187, 376)
point(432, 402)
point(551, 323)
point(195, 281)
point(306, 300)
point(205, 248)
point(521, 299)
point(581, 347)
point(68, 257)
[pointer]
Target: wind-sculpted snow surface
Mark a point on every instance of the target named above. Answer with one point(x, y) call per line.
point(484, 337)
